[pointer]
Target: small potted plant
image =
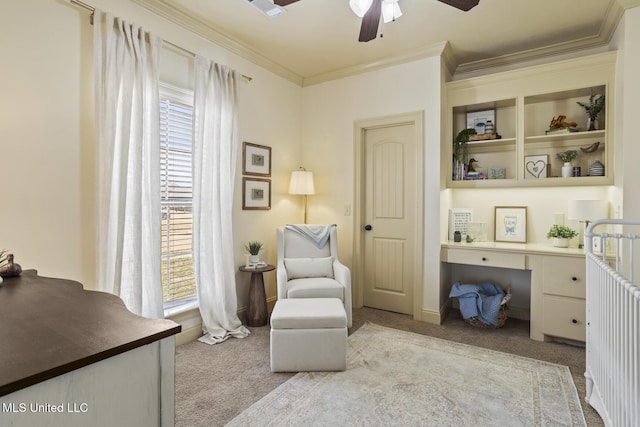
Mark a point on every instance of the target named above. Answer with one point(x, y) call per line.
point(561, 234)
point(460, 148)
point(457, 236)
point(254, 247)
point(567, 157)
point(593, 108)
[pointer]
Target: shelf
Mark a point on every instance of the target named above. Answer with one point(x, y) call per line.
point(566, 136)
point(523, 103)
point(491, 143)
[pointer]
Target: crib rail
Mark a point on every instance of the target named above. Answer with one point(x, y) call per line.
point(613, 322)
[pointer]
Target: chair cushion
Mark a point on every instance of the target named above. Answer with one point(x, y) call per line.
point(314, 313)
point(308, 267)
point(315, 287)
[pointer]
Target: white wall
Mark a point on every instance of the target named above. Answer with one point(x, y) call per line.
point(47, 126)
point(330, 110)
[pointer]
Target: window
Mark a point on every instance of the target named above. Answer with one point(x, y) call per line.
point(178, 280)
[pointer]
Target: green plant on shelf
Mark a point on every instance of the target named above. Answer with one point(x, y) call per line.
point(567, 156)
point(595, 105)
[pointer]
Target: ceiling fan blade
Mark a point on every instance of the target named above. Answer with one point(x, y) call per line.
point(284, 3)
point(370, 21)
point(465, 5)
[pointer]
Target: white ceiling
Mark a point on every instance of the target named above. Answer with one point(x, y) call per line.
point(317, 40)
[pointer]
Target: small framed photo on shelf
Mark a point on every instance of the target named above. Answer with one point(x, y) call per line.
point(256, 159)
point(511, 224)
point(477, 120)
point(536, 166)
point(496, 172)
point(256, 193)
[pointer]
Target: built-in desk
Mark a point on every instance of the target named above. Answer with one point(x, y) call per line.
point(557, 284)
point(72, 357)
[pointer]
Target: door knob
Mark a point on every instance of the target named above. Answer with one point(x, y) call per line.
point(368, 227)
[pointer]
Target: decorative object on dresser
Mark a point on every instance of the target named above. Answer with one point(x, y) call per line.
point(593, 108)
point(511, 224)
point(561, 235)
point(587, 211)
point(457, 237)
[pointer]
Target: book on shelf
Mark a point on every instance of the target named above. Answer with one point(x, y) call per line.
point(561, 130)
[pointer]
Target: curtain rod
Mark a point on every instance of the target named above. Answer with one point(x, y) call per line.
point(175, 46)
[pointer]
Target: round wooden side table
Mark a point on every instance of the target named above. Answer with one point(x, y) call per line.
point(257, 314)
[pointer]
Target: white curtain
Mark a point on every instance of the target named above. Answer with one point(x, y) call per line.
point(215, 144)
point(128, 163)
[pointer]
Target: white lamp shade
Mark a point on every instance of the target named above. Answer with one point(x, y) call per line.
point(360, 7)
point(390, 10)
point(588, 210)
point(301, 183)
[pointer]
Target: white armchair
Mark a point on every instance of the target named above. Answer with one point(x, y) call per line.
point(305, 270)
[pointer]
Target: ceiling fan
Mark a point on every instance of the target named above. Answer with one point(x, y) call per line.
point(370, 11)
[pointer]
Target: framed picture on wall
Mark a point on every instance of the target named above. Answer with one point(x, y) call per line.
point(511, 224)
point(256, 193)
point(256, 159)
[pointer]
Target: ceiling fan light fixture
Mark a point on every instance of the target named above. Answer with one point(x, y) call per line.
point(390, 10)
point(360, 7)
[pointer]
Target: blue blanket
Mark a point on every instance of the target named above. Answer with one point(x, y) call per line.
point(317, 233)
point(481, 301)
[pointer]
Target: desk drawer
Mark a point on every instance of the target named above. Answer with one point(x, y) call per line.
point(564, 276)
point(486, 258)
point(565, 318)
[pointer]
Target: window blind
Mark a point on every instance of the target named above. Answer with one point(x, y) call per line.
point(178, 281)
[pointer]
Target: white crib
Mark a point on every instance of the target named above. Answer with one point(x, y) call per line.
point(613, 322)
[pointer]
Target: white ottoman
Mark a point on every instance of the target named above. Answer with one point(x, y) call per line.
point(308, 334)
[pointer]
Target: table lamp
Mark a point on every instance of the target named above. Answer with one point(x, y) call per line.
point(587, 211)
point(302, 183)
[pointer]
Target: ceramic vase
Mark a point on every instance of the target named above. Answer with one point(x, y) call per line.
point(254, 259)
point(592, 124)
point(596, 169)
point(567, 170)
point(560, 242)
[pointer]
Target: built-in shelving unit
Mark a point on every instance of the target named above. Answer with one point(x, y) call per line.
point(522, 104)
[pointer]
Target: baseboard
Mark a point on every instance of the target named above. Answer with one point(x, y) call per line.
point(188, 335)
point(430, 316)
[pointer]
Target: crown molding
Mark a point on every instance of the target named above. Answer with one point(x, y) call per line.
point(425, 52)
point(608, 28)
point(629, 4)
point(189, 21)
point(185, 19)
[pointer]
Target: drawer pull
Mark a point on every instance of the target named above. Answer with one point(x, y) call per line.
point(484, 258)
point(574, 321)
point(574, 278)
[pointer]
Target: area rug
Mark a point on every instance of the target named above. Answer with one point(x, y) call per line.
point(397, 378)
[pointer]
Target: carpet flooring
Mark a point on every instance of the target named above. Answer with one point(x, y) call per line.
point(216, 383)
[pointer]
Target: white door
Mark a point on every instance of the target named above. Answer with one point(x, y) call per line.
point(390, 217)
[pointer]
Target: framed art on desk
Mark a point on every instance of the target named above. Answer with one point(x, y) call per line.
point(511, 224)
